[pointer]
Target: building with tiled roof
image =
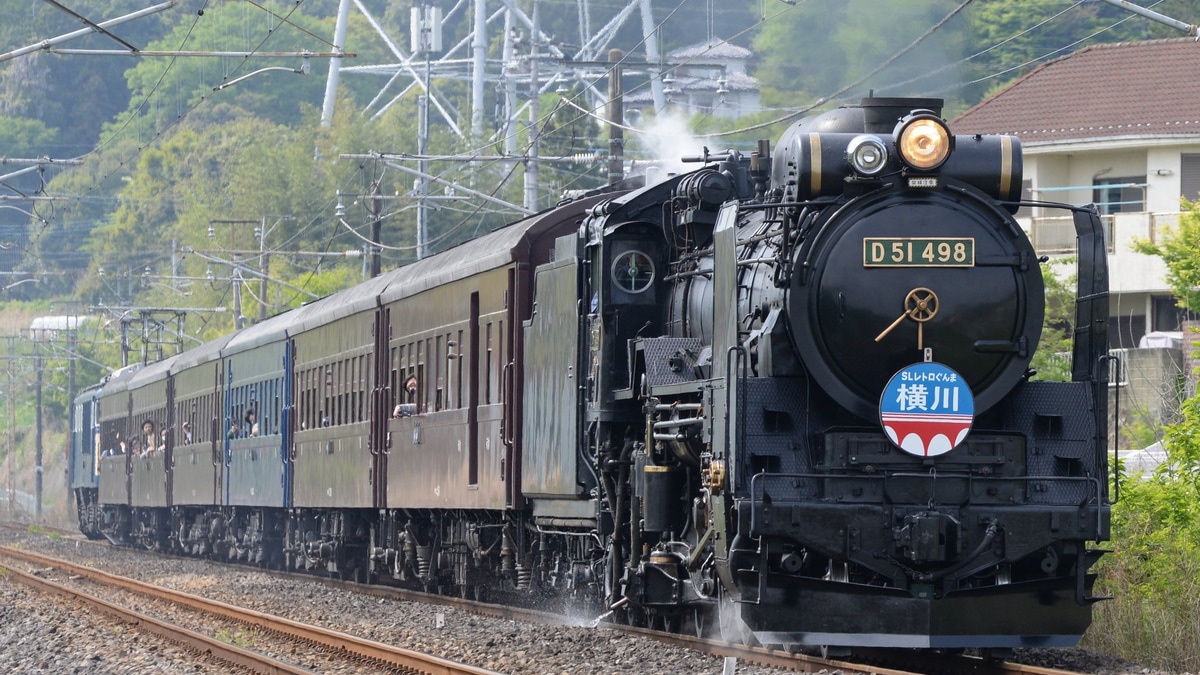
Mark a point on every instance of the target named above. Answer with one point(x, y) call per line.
point(1110, 93)
point(706, 78)
point(1117, 125)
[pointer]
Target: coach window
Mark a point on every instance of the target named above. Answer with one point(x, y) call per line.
point(326, 397)
point(339, 393)
point(355, 387)
point(394, 374)
point(487, 364)
point(300, 386)
point(311, 393)
point(358, 388)
point(365, 401)
point(402, 376)
point(351, 389)
point(342, 377)
point(429, 365)
point(458, 371)
point(348, 392)
point(365, 382)
point(437, 373)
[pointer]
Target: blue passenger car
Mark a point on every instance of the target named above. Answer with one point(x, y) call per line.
point(255, 437)
point(83, 469)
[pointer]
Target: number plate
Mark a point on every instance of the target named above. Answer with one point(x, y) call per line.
point(918, 252)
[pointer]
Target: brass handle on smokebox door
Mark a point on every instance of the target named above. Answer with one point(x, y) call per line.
point(920, 305)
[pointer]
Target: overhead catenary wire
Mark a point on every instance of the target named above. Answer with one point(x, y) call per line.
point(286, 19)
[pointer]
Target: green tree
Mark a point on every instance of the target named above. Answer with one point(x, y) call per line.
point(1179, 248)
point(1153, 571)
point(164, 89)
point(24, 137)
point(819, 49)
point(1052, 360)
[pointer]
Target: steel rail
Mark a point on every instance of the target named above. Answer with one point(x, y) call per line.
point(874, 661)
point(190, 640)
point(411, 661)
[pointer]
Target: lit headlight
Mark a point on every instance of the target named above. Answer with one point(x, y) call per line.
point(867, 154)
point(923, 140)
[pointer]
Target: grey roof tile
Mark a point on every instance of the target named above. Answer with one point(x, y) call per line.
point(1149, 88)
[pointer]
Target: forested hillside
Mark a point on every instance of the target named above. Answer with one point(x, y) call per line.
point(179, 187)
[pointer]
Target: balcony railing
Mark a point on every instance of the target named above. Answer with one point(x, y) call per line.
point(1055, 235)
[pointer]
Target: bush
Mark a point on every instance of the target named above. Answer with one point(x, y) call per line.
point(1154, 572)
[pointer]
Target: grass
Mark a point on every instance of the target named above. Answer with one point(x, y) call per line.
point(237, 638)
point(1154, 616)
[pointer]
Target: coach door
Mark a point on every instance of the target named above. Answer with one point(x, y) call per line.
point(216, 435)
point(129, 435)
point(287, 419)
point(169, 449)
point(381, 405)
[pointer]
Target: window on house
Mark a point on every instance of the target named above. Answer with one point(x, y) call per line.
point(1169, 316)
point(1125, 194)
point(1026, 195)
point(1189, 175)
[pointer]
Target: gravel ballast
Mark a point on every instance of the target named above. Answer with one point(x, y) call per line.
point(39, 636)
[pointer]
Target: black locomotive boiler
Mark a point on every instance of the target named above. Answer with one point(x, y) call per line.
point(786, 396)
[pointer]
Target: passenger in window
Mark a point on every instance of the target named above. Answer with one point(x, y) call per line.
point(149, 441)
point(234, 432)
point(408, 406)
point(187, 432)
point(251, 422)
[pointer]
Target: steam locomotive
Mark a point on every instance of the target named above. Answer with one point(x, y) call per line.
point(787, 396)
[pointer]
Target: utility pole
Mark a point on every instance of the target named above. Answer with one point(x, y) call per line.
point(531, 162)
point(422, 185)
point(37, 443)
point(478, 71)
point(12, 438)
point(236, 278)
point(239, 321)
point(510, 84)
point(72, 338)
point(426, 40)
point(616, 118)
point(375, 208)
point(264, 266)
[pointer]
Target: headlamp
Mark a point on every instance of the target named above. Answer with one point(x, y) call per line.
point(923, 141)
point(867, 154)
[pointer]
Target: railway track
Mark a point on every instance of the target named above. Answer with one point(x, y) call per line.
point(378, 655)
point(877, 662)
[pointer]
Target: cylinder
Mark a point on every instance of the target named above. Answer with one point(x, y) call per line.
point(662, 500)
